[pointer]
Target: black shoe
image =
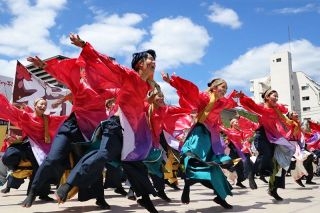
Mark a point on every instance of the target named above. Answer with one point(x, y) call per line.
point(185, 197)
point(275, 195)
point(62, 193)
point(147, 204)
point(222, 202)
point(102, 204)
point(163, 196)
point(263, 179)
point(241, 185)
point(172, 185)
point(121, 191)
point(131, 195)
point(5, 190)
point(29, 199)
point(311, 182)
point(252, 183)
point(46, 198)
point(299, 182)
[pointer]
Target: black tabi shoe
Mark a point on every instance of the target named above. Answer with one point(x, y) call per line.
point(263, 179)
point(62, 193)
point(121, 191)
point(147, 204)
point(241, 185)
point(5, 190)
point(131, 195)
point(252, 183)
point(46, 198)
point(102, 203)
point(29, 199)
point(311, 182)
point(185, 197)
point(275, 195)
point(299, 182)
point(163, 196)
point(222, 202)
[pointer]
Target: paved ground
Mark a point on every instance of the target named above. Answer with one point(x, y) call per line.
point(297, 199)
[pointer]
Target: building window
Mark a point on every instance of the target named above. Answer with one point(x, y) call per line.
point(306, 109)
point(306, 119)
point(304, 87)
point(278, 60)
point(305, 98)
point(293, 98)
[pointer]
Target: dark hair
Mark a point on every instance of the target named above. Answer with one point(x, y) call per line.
point(267, 93)
point(136, 57)
point(216, 81)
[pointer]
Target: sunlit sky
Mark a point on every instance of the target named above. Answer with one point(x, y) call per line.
point(196, 39)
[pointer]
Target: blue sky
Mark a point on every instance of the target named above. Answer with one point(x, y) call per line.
point(196, 39)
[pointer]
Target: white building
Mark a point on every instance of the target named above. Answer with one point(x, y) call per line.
point(295, 89)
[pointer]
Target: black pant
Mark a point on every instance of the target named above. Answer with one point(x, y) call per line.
point(86, 170)
point(57, 161)
point(12, 157)
point(263, 164)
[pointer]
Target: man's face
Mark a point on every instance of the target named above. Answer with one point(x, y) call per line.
point(148, 65)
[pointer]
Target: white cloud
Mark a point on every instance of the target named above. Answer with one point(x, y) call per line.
point(114, 35)
point(28, 30)
point(224, 16)
point(8, 68)
point(255, 63)
point(296, 10)
point(177, 41)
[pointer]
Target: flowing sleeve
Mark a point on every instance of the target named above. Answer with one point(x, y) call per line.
point(230, 102)
point(245, 123)
point(9, 112)
point(314, 126)
point(177, 119)
point(103, 66)
point(248, 104)
point(282, 108)
point(187, 91)
point(65, 71)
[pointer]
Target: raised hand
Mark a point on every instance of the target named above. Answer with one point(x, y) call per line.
point(76, 40)
point(165, 77)
point(37, 62)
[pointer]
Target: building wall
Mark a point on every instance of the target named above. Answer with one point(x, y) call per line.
point(309, 97)
point(281, 78)
point(295, 89)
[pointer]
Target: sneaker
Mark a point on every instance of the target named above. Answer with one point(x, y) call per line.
point(222, 202)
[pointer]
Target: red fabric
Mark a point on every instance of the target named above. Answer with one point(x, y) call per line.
point(88, 104)
point(198, 100)
point(238, 138)
point(314, 126)
point(116, 76)
point(268, 118)
point(29, 123)
point(170, 118)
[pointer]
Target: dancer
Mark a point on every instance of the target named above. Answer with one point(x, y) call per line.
point(40, 129)
point(203, 149)
point(272, 120)
point(133, 88)
point(87, 112)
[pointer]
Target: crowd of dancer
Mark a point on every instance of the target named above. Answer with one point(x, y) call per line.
point(120, 128)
